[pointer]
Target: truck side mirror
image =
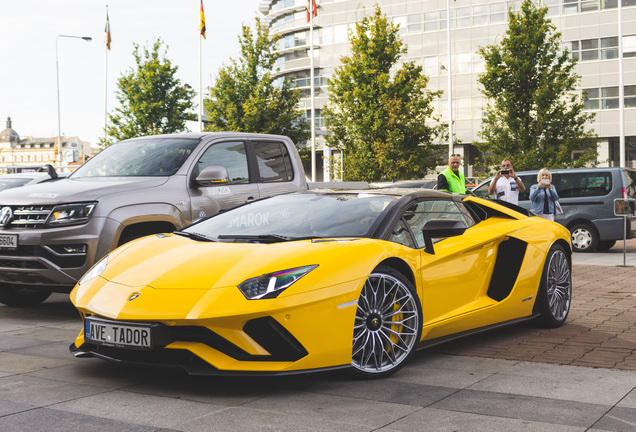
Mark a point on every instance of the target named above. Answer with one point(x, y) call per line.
point(213, 175)
point(440, 228)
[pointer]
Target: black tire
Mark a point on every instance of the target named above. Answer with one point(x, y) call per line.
point(388, 324)
point(555, 290)
point(12, 295)
point(605, 245)
point(584, 238)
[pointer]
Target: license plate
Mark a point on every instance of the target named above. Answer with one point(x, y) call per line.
point(8, 241)
point(120, 335)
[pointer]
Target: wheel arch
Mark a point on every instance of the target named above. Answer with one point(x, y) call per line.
point(140, 229)
point(581, 221)
point(400, 266)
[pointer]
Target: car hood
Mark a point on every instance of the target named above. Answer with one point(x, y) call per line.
point(70, 190)
point(174, 277)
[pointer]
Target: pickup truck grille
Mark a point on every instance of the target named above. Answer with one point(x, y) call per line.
point(32, 216)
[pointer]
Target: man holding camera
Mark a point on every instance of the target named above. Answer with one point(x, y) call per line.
point(506, 185)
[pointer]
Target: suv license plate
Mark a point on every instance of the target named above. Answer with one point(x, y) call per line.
point(118, 335)
point(8, 241)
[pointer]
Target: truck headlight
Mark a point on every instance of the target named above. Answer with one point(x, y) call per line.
point(270, 285)
point(69, 214)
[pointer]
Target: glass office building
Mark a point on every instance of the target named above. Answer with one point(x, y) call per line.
point(589, 30)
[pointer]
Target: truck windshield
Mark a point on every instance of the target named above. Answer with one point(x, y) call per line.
point(139, 158)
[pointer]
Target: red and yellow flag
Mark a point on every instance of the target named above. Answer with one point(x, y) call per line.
point(202, 29)
point(107, 30)
point(311, 8)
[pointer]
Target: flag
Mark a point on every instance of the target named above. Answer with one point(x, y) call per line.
point(107, 30)
point(202, 21)
point(311, 4)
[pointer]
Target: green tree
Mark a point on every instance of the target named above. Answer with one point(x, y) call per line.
point(153, 100)
point(245, 96)
point(535, 113)
point(380, 115)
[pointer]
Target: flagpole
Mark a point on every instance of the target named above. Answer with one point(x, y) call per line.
point(201, 36)
point(200, 87)
point(311, 89)
point(451, 149)
point(106, 82)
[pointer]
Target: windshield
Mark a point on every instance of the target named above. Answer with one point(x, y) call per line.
point(143, 157)
point(8, 183)
point(299, 215)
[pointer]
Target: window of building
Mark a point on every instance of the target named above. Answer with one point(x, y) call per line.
point(554, 7)
point(629, 46)
point(570, 7)
point(464, 108)
point(463, 63)
point(630, 96)
point(414, 23)
point(590, 5)
point(609, 48)
point(593, 101)
point(431, 21)
point(479, 64)
point(326, 35)
point(497, 13)
point(480, 15)
point(589, 49)
point(431, 66)
point(462, 17)
point(400, 23)
point(340, 34)
point(609, 98)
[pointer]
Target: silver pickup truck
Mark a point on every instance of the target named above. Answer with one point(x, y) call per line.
point(52, 233)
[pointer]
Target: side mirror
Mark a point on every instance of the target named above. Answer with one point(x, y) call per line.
point(440, 228)
point(50, 170)
point(213, 175)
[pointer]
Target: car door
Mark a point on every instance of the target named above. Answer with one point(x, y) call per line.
point(209, 200)
point(275, 170)
point(455, 278)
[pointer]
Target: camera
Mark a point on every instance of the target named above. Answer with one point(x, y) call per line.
point(545, 181)
point(504, 172)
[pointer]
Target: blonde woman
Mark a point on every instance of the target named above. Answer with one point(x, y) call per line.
point(543, 195)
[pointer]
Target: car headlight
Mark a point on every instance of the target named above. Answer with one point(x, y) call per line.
point(95, 271)
point(270, 285)
point(68, 214)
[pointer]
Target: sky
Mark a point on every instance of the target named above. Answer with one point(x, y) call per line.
point(30, 29)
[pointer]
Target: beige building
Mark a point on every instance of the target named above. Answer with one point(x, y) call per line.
point(588, 27)
point(33, 152)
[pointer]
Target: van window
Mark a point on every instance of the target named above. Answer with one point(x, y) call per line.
point(583, 184)
point(630, 182)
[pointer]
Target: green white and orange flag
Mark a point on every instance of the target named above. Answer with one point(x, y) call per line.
point(202, 29)
point(107, 30)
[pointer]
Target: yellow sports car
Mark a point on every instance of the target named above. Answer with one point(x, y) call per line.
point(322, 280)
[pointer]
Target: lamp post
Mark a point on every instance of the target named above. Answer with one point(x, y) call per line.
point(58, 148)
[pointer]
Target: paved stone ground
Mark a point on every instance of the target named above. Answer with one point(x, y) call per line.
point(600, 331)
point(44, 389)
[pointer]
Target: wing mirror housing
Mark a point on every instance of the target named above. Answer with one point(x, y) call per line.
point(213, 175)
point(440, 228)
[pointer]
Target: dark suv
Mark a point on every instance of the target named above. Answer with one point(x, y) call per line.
point(587, 197)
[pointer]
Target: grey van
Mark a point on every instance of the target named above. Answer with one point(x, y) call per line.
point(587, 198)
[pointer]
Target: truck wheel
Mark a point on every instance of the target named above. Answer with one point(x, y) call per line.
point(604, 245)
point(584, 238)
point(12, 295)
